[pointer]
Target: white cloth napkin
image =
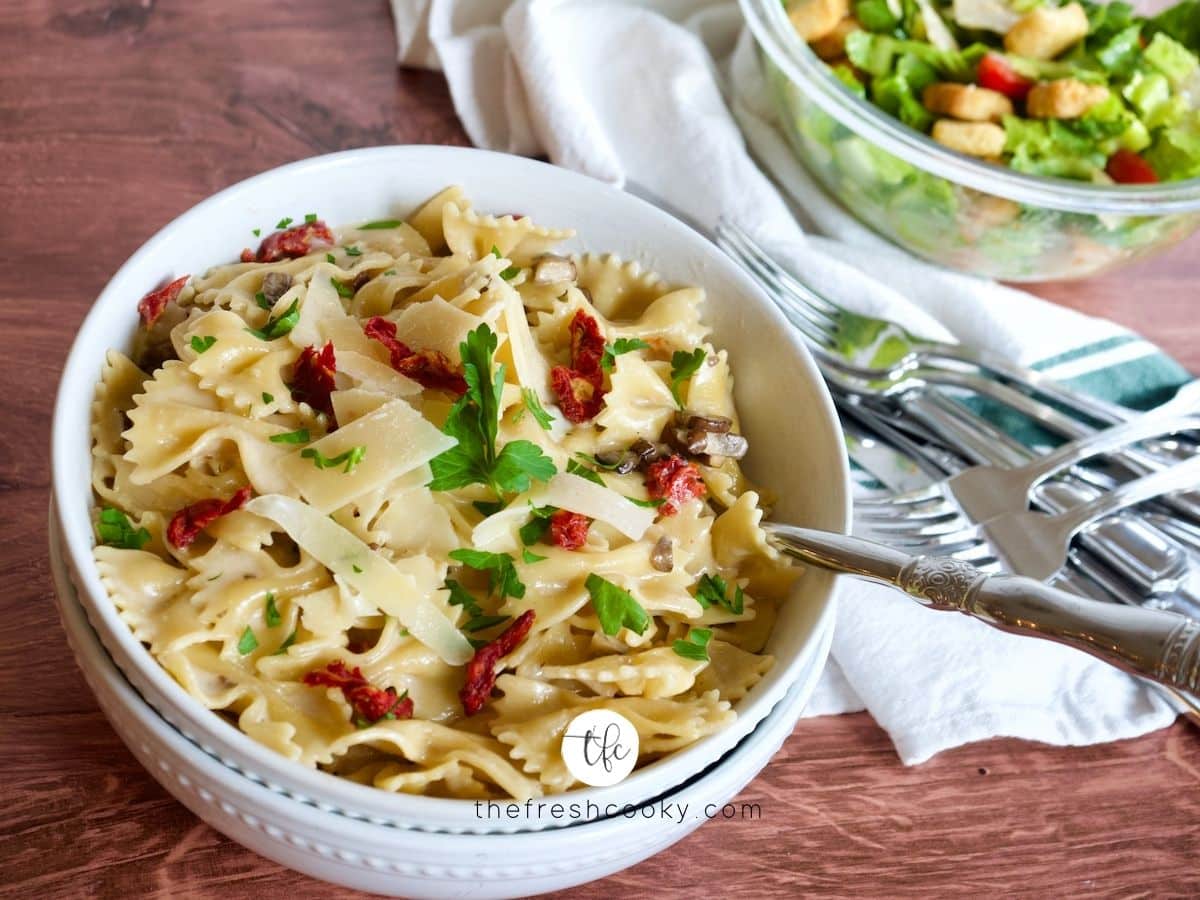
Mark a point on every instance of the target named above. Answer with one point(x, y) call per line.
point(662, 97)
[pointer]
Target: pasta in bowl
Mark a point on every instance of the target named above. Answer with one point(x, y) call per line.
point(402, 499)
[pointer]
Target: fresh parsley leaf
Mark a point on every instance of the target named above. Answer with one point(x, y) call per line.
point(200, 344)
point(357, 568)
point(272, 612)
point(299, 436)
point(115, 530)
point(256, 231)
point(615, 607)
point(502, 575)
point(534, 405)
point(284, 222)
point(330, 258)
point(479, 623)
point(591, 460)
point(533, 530)
point(343, 289)
point(309, 218)
point(476, 619)
point(381, 225)
point(696, 645)
point(529, 557)
point(474, 421)
point(268, 398)
point(496, 252)
point(712, 590)
point(683, 366)
point(352, 251)
point(351, 458)
point(620, 347)
point(510, 273)
point(248, 643)
point(287, 642)
point(583, 471)
point(277, 328)
point(263, 303)
point(649, 504)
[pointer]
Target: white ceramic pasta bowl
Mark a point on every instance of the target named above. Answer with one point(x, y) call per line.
point(406, 862)
point(796, 444)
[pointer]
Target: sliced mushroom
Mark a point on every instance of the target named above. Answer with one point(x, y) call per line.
point(620, 461)
point(714, 424)
point(551, 269)
point(275, 285)
point(730, 445)
point(662, 557)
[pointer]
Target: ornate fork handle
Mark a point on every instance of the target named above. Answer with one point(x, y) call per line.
point(1155, 644)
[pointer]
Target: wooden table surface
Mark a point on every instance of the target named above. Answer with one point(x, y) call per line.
point(117, 116)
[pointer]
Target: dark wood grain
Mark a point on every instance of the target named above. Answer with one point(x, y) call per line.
point(114, 118)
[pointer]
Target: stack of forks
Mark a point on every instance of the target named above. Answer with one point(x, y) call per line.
point(1109, 513)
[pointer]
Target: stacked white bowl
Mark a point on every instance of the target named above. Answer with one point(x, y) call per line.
point(407, 845)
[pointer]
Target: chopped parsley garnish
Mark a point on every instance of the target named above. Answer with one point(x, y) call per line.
point(502, 575)
point(488, 507)
point(712, 590)
point(474, 421)
point(593, 461)
point(352, 251)
point(287, 642)
point(534, 405)
point(330, 258)
point(256, 231)
point(248, 643)
point(496, 252)
point(529, 557)
point(299, 436)
point(583, 471)
point(272, 612)
point(277, 328)
point(696, 645)
point(620, 347)
point(649, 504)
point(115, 530)
point(268, 398)
point(533, 530)
point(381, 224)
point(357, 568)
point(263, 303)
point(510, 273)
point(284, 222)
point(310, 218)
point(615, 607)
point(350, 458)
point(683, 366)
point(200, 344)
point(344, 290)
point(477, 620)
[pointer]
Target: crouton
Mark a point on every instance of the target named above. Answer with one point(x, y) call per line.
point(1065, 98)
point(972, 138)
point(833, 45)
point(1046, 31)
point(815, 19)
point(966, 101)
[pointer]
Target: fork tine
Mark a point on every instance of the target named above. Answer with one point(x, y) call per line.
point(802, 292)
point(771, 276)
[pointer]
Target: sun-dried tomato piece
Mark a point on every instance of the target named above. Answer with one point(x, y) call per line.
point(152, 305)
point(674, 480)
point(291, 243)
point(580, 386)
point(569, 530)
point(578, 397)
point(428, 368)
point(369, 702)
point(312, 378)
point(186, 525)
point(481, 669)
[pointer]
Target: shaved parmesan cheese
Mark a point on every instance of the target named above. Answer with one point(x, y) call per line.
point(435, 325)
point(367, 572)
point(567, 491)
point(396, 439)
point(989, 15)
point(935, 29)
point(347, 335)
point(528, 366)
point(355, 403)
point(374, 375)
point(320, 303)
point(498, 532)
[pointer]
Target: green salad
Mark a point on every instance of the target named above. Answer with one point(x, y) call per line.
point(1082, 90)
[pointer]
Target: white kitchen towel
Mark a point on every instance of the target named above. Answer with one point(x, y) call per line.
point(662, 97)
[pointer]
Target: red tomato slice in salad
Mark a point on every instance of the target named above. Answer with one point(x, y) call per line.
point(996, 74)
point(1126, 167)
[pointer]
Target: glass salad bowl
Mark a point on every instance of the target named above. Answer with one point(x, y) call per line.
point(952, 209)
